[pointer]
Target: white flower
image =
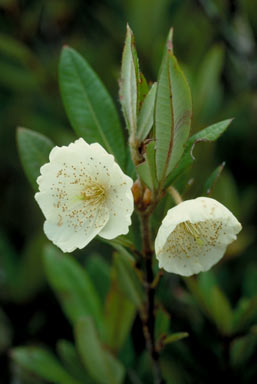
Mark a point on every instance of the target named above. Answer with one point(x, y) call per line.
point(83, 193)
point(194, 236)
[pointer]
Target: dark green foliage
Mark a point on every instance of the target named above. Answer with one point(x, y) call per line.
point(215, 42)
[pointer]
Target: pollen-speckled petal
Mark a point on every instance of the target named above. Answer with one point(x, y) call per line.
point(80, 192)
point(194, 236)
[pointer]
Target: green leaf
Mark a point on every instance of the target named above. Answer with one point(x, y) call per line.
point(100, 269)
point(103, 367)
point(88, 105)
point(71, 361)
point(128, 83)
point(143, 88)
point(172, 115)
point(207, 94)
point(30, 275)
point(147, 169)
point(221, 310)
point(242, 349)
point(212, 179)
point(245, 313)
point(128, 279)
point(210, 133)
point(15, 49)
point(146, 115)
point(162, 323)
point(72, 286)
point(34, 149)
point(175, 337)
point(42, 363)
point(212, 301)
point(119, 315)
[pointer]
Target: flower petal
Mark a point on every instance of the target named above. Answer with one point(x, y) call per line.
point(77, 195)
point(61, 235)
point(120, 204)
point(194, 236)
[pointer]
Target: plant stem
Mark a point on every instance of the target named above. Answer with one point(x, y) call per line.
point(175, 195)
point(148, 318)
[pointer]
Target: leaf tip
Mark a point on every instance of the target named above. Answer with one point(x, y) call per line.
point(129, 30)
point(170, 40)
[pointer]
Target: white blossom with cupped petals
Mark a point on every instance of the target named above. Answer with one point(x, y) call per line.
point(194, 236)
point(83, 193)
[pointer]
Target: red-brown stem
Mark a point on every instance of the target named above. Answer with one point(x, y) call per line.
point(148, 318)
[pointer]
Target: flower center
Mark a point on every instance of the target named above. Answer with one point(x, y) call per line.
point(93, 193)
point(194, 230)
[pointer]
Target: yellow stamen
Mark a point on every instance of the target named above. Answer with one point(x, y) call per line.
point(92, 193)
point(195, 231)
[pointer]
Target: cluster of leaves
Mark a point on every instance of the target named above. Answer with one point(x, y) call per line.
point(158, 120)
point(29, 88)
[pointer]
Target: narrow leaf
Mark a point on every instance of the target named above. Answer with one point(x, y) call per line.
point(42, 363)
point(98, 267)
point(146, 115)
point(162, 323)
point(210, 133)
point(128, 279)
point(172, 115)
point(221, 310)
point(71, 361)
point(72, 286)
point(213, 178)
point(119, 315)
point(245, 313)
point(100, 364)
point(128, 83)
point(142, 91)
point(175, 337)
point(88, 105)
point(34, 149)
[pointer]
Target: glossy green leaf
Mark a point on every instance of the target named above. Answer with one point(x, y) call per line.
point(172, 114)
point(101, 365)
point(146, 115)
point(119, 315)
point(71, 361)
point(73, 286)
point(88, 105)
point(147, 169)
point(42, 363)
point(210, 133)
point(34, 149)
point(128, 83)
point(128, 279)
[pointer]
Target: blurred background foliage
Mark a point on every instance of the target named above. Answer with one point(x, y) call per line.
point(215, 42)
